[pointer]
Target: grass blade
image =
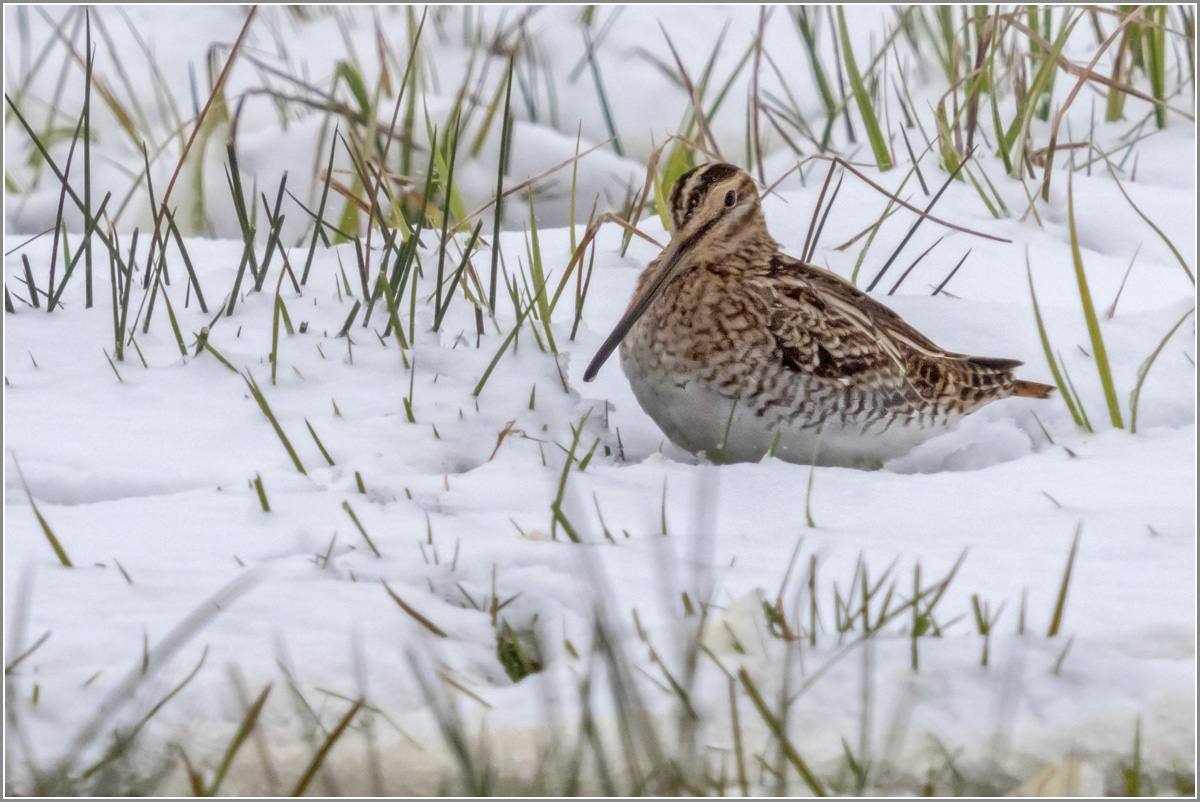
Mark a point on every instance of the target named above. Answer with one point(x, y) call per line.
point(247, 256)
point(537, 274)
point(422, 620)
point(312, 247)
point(249, 721)
point(1060, 604)
point(361, 530)
point(125, 740)
point(29, 283)
point(1144, 369)
point(320, 446)
point(1050, 360)
point(441, 312)
point(1089, 312)
point(522, 314)
point(1150, 222)
point(187, 260)
point(266, 408)
point(878, 143)
point(446, 212)
point(778, 731)
point(498, 213)
point(913, 230)
point(608, 121)
point(54, 544)
point(62, 200)
point(171, 316)
point(319, 757)
point(556, 507)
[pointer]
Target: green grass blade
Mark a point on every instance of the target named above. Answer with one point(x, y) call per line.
point(247, 256)
point(447, 210)
point(30, 284)
point(1060, 604)
point(262, 493)
point(266, 408)
point(393, 312)
point(1018, 131)
point(249, 721)
point(498, 211)
point(1087, 424)
point(556, 505)
point(320, 445)
point(1050, 360)
point(437, 322)
point(780, 733)
point(126, 739)
point(1144, 369)
point(537, 274)
point(205, 345)
point(171, 316)
point(46, 530)
point(187, 260)
point(361, 530)
point(1157, 230)
point(420, 619)
point(521, 315)
point(810, 45)
point(320, 209)
point(608, 120)
point(319, 757)
point(1089, 312)
point(878, 143)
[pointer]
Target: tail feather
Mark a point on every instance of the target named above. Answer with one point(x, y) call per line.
point(1024, 389)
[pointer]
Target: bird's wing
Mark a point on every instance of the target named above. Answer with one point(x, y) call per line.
point(828, 328)
point(835, 333)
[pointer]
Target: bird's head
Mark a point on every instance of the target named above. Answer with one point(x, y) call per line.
point(714, 210)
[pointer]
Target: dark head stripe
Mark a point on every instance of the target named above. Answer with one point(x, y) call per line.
point(693, 186)
point(713, 174)
point(679, 196)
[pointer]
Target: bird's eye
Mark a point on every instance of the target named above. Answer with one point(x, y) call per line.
point(730, 197)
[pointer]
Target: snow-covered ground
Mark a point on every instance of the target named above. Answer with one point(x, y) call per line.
point(145, 472)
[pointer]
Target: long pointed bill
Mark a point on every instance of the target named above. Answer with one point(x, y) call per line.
point(636, 310)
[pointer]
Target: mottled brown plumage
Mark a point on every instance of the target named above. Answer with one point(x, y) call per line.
point(736, 349)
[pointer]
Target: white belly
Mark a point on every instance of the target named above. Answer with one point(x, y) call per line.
point(703, 421)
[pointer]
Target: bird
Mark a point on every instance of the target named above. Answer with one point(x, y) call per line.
point(738, 350)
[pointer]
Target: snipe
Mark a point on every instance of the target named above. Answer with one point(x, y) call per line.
point(736, 349)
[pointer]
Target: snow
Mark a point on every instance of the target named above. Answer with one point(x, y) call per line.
point(153, 470)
